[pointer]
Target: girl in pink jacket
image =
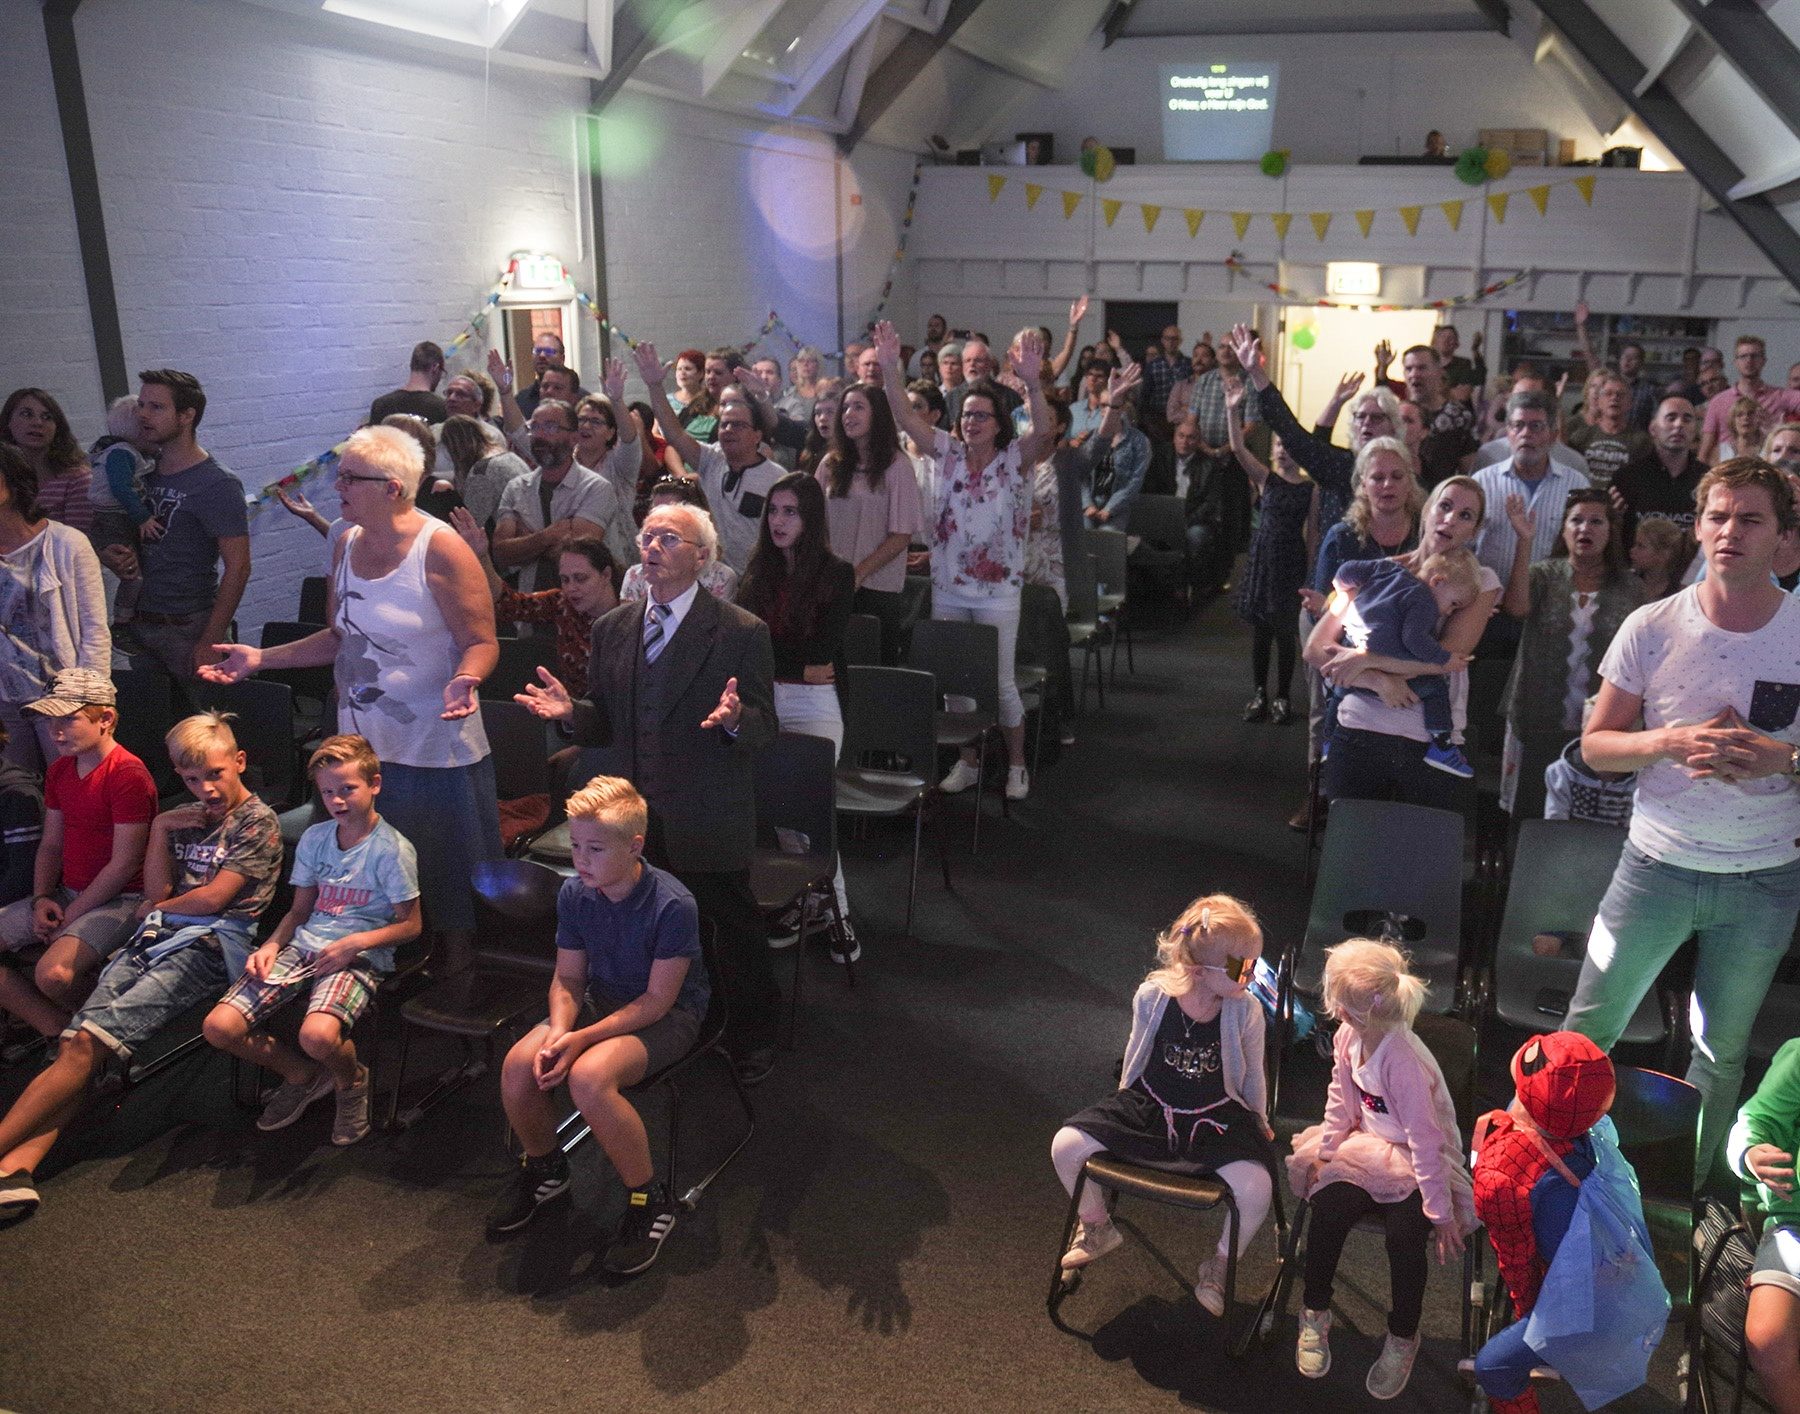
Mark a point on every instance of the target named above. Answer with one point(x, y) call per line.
point(1388, 1147)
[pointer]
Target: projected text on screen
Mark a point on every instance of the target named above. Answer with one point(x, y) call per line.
point(1217, 112)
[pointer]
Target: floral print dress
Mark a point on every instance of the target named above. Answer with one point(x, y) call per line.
point(979, 523)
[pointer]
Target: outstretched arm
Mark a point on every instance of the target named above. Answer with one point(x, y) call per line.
point(1077, 312)
point(651, 370)
point(1256, 469)
point(893, 386)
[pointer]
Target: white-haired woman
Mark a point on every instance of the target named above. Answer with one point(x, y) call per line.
point(412, 638)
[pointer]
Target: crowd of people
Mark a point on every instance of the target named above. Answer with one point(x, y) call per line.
point(695, 557)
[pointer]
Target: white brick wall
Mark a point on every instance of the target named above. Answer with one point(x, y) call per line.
point(290, 211)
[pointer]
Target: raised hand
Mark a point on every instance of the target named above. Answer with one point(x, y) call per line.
point(612, 380)
point(1384, 357)
point(887, 343)
point(1522, 519)
point(498, 370)
point(1475, 345)
point(549, 701)
point(1614, 495)
point(1581, 313)
point(295, 503)
point(1234, 393)
point(1115, 343)
point(729, 710)
point(470, 529)
point(237, 661)
point(1078, 311)
point(1028, 362)
point(650, 367)
point(1248, 348)
point(1121, 381)
point(1348, 387)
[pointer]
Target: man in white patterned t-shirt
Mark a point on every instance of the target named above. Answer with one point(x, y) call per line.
point(1714, 848)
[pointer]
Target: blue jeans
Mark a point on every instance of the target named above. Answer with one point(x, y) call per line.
point(1743, 922)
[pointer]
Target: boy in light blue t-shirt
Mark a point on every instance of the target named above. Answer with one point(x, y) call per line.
point(356, 896)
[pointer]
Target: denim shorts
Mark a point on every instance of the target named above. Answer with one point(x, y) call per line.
point(133, 1000)
point(1778, 1258)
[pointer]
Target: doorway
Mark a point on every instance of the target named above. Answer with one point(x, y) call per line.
point(1342, 341)
point(1140, 322)
point(523, 323)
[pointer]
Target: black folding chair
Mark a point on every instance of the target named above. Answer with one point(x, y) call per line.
point(313, 600)
point(1159, 523)
point(520, 659)
point(265, 731)
point(313, 688)
point(1085, 626)
point(965, 660)
point(521, 753)
point(862, 640)
point(146, 708)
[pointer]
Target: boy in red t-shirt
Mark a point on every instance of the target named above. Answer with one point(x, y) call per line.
point(99, 801)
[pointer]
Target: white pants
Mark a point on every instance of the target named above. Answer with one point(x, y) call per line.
point(1003, 614)
point(1248, 1182)
point(812, 710)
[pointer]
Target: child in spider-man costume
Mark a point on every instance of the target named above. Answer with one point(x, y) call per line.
point(1525, 1158)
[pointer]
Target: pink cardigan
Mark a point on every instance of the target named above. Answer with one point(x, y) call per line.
point(1433, 1160)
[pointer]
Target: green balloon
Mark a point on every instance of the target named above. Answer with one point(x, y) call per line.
point(1305, 337)
point(1087, 160)
point(1274, 163)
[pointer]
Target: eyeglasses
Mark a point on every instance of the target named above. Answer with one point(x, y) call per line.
point(663, 540)
point(1517, 426)
point(344, 479)
point(592, 422)
point(1235, 968)
point(734, 426)
point(976, 415)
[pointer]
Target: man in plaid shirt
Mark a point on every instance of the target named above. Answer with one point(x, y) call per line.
point(1208, 405)
point(1162, 371)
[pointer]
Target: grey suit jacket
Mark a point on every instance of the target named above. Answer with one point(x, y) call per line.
point(706, 807)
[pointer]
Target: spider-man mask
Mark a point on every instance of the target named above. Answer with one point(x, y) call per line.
point(1565, 1083)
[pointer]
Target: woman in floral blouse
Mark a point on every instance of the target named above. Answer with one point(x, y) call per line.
point(978, 522)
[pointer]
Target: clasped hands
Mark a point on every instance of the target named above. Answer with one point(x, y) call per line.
point(1726, 748)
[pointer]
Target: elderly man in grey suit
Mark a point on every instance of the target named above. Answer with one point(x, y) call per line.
point(680, 687)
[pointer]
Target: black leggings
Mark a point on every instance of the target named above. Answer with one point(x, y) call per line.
point(1336, 1208)
point(1282, 640)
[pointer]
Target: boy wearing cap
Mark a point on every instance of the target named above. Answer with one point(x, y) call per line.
point(88, 879)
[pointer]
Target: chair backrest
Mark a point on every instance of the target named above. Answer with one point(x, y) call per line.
point(1561, 869)
point(1658, 1118)
point(263, 723)
point(146, 711)
point(1385, 862)
point(891, 712)
point(1452, 1043)
point(963, 657)
point(315, 683)
point(1109, 549)
point(515, 908)
point(1081, 582)
point(862, 640)
point(1161, 520)
point(312, 600)
point(521, 749)
point(520, 658)
point(795, 790)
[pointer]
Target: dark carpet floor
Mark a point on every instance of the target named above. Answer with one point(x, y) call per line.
point(886, 1240)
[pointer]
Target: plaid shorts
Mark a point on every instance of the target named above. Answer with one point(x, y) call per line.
point(344, 995)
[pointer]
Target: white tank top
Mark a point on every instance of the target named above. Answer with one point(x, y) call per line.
point(395, 656)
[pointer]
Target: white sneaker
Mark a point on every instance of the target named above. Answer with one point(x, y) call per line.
point(1209, 1291)
point(1312, 1355)
point(962, 776)
point(1018, 783)
point(1092, 1240)
point(1393, 1367)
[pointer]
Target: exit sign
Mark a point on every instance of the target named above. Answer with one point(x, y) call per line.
point(1352, 277)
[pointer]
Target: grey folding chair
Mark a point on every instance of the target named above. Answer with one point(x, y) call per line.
point(965, 660)
point(1112, 573)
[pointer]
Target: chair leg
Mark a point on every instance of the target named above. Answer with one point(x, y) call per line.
point(912, 887)
point(691, 1199)
point(980, 785)
point(793, 1026)
point(837, 914)
point(674, 1134)
point(1060, 1285)
point(393, 1116)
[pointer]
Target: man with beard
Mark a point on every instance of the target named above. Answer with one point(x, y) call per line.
point(560, 501)
point(1660, 484)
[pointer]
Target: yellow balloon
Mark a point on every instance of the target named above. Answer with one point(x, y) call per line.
point(1103, 165)
point(1499, 163)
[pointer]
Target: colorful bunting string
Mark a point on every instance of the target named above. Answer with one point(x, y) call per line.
point(906, 221)
point(1235, 261)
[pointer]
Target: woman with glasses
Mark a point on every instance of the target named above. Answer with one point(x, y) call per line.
point(716, 577)
point(979, 520)
point(411, 638)
point(1571, 606)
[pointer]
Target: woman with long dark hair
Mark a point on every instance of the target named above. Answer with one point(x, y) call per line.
point(824, 417)
point(34, 422)
point(802, 591)
point(872, 504)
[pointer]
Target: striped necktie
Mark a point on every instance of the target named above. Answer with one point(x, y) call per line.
point(653, 630)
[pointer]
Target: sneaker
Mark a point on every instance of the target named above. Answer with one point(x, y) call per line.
point(534, 1183)
point(649, 1218)
point(18, 1194)
point(1393, 1367)
point(1018, 783)
point(1092, 1241)
point(1209, 1291)
point(289, 1101)
point(1449, 758)
point(1312, 1355)
point(962, 776)
point(784, 932)
point(1257, 708)
point(1280, 713)
point(352, 1122)
point(844, 947)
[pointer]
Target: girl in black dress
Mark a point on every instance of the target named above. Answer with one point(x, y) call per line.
point(1192, 1097)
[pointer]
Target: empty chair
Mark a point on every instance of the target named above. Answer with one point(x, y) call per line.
point(1159, 523)
point(965, 660)
point(520, 658)
point(521, 771)
point(1112, 575)
point(862, 640)
point(312, 600)
point(310, 685)
point(1084, 624)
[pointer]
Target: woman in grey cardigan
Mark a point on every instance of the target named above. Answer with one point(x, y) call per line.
point(1573, 604)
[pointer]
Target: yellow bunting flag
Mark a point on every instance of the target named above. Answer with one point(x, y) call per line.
point(1109, 208)
point(994, 186)
point(1281, 220)
point(1240, 222)
point(1410, 215)
point(1540, 197)
point(1364, 220)
point(1452, 213)
point(1585, 185)
point(1032, 192)
point(1497, 204)
point(1150, 215)
point(1071, 199)
point(1194, 218)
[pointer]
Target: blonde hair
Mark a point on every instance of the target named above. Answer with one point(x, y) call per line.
point(1459, 567)
point(1449, 483)
point(612, 803)
point(121, 418)
point(193, 739)
point(345, 750)
point(1660, 533)
point(1768, 445)
point(1215, 919)
point(1368, 981)
point(1361, 512)
point(393, 453)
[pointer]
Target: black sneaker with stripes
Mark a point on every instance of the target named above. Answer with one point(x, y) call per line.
point(649, 1218)
point(534, 1183)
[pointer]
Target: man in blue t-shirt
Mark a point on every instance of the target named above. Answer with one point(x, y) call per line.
point(185, 605)
point(628, 952)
